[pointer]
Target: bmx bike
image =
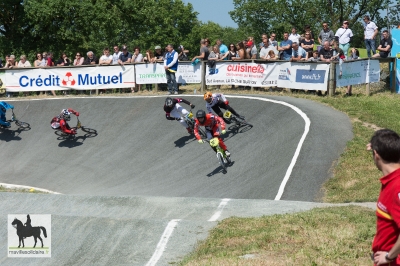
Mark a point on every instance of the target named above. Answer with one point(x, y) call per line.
point(19, 123)
point(89, 132)
point(239, 123)
point(191, 122)
point(224, 161)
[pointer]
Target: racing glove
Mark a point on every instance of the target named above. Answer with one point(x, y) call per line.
point(192, 105)
point(223, 132)
point(201, 141)
point(77, 113)
point(226, 102)
point(177, 118)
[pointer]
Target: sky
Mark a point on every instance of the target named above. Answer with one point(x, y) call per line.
point(213, 10)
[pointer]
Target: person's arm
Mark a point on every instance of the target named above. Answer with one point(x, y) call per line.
point(375, 33)
point(225, 55)
point(201, 56)
point(241, 55)
point(381, 257)
point(73, 111)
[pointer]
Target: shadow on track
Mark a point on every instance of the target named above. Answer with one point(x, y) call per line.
point(11, 135)
point(71, 141)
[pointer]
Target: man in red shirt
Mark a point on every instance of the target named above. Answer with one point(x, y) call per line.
point(385, 147)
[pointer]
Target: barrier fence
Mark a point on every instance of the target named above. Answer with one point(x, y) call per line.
point(254, 73)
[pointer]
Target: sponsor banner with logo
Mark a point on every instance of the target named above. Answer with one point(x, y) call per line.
point(82, 78)
point(357, 72)
point(244, 74)
point(303, 76)
point(155, 73)
point(22, 231)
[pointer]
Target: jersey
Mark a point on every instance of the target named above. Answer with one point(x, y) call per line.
point(216, 97)
point(211, 123)
point(64, 125)
point(168, 109)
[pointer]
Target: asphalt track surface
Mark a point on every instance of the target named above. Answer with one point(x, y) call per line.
point(140, 172)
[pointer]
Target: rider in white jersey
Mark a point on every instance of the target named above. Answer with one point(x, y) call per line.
point(215, 101)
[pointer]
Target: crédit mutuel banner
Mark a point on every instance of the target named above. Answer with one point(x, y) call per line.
point(155, 73)
point(282, 74)
point(357, 72)
point(77, 78)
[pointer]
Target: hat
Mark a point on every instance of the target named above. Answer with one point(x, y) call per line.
point(124, 47)
point(181, 47)
point(249, 44)
point(157, 47)
point(345, 22)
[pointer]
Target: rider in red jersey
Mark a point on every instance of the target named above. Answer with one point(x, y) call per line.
point(214, 125)
point(63, 118)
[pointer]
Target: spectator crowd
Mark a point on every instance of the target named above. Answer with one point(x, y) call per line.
point(327, 46)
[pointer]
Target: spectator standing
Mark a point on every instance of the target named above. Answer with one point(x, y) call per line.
point(261, 44)
point(307, 28)
point(385, 45)
point(182, 56)
point(313, 56)
point(307, 43)
point(48, 58)
point(232, 52)
point(343, 36)
point(298, 53)
point(294, 37)
point(208, 44)
point(91, 59)
point(148, 59)
point(63, 60)
point(23, 62)
point(326, 53)
point(264, 51)
point(171, 66)
point(137, 57)
point(242, 52)
point(285, 47)
point(158, 55)
point(271, 55)
point(222, 47)
point(116, 55)
point(273, 41)
point(106, 59)
point(370, 32)
point(78, 61)
point(40, 61)
point(251, 48)
point(355, 54)
point(125, 57)
point(385, 147)
point(11, 63)
point(204, 53)
point(326, 34)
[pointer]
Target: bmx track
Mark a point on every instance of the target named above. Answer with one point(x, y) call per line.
point(142, 178)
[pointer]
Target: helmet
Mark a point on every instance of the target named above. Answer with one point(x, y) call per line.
point(207, 96)
point(169, 102)
point(66, 115)
point(200, 114)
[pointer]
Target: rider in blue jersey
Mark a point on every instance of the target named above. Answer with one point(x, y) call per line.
point(3, 109)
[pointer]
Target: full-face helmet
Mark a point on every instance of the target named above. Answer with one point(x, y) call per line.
point(201, 115)
point(169, 102)
point(208, 96)
point(66, 115)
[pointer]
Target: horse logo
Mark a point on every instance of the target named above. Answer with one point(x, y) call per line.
point(24, 231)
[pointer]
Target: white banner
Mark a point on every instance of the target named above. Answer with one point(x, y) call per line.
point(303, 76)
point(244, 74)
point(155, 73)
point(77, 78)
point(357, 72)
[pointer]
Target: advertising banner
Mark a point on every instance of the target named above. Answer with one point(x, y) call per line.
point(155, 73)
point(79, 78)
point(303, 76)
point(2, 81)
point(242, 74)
point(357, 72)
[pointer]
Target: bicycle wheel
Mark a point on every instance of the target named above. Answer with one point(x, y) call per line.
point(221, 162)
point(22, 124)
point(89, 130)
point(61, 134)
